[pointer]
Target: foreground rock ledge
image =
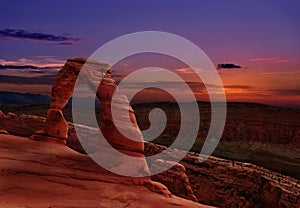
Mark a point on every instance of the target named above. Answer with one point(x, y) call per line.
point(42, 174)
point(218, 182)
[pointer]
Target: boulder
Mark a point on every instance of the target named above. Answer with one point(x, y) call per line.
point(56, 125)
point(2, 131)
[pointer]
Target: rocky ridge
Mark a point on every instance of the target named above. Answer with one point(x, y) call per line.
point(48, 174)
point(245, 122)
point(217, 182)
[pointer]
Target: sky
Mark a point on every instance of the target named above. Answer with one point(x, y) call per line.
point(256, 44)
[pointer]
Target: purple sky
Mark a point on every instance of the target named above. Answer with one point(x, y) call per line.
point(260, 36)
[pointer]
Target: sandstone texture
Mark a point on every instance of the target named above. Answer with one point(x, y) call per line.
point(62, 90)
point(226, 183)
point(42, 175)
point(96, 75)
point(216, 182)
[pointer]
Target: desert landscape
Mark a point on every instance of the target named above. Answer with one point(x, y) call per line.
point(228, 180)
point(149, 104)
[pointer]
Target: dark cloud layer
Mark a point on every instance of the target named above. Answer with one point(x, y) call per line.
point(25, 67)
point(244, 87)
point(228, 66)
point(28, 35)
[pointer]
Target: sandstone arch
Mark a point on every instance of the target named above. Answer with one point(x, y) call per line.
point(56, 127)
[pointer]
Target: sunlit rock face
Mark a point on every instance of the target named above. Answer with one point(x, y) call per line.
point(62, 90)
point(45, 174)
point(219, 182)
point(97, 76)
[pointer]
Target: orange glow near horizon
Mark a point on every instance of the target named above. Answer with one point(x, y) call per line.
point(268, 80)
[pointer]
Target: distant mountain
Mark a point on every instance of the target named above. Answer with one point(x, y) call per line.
point(26, 98)
point(44, 79)
point(29, 98)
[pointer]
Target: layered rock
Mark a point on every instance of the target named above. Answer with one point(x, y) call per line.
point(23, 125)
point(43, 174)
point(175, 178)
point(226, 183)
point(62, 90)
point(219, 182)
point(56, 128)
point(130, 138)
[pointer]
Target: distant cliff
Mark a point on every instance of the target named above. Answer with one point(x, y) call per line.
point(25, 98)
point(247, 122)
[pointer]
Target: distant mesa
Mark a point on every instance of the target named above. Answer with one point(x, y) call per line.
point(25, 98)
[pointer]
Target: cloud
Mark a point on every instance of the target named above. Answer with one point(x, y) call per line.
point(65, 43)
point(8, 34)
point(243, 87)
point(39, 66)
point(263, 59)
point(38, 62)
point(185, 70)
point(286, 92)
point(280, 73)
point(270, 59)
point(228, 66)
point(281, 60)
point(23, 67)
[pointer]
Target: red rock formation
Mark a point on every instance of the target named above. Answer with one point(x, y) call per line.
point(23, 125)
point(2, 131)
point(62, 90)
point(219, 182)
point(56, 128)
point(226, 183)
point(175, 179)
point(107, 125)
point(43, 174)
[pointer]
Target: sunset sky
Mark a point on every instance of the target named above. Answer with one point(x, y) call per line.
point(262, 37)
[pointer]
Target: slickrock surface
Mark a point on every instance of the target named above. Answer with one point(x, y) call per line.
point(41, 175)
point(218, 182)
